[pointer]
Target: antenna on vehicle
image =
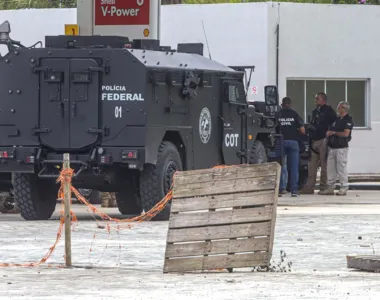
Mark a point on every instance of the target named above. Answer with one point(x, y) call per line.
point(208, 48)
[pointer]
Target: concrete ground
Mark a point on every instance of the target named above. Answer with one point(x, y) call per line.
point(315, 232)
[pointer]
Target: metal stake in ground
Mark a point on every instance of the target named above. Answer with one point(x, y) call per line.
point(67, 200)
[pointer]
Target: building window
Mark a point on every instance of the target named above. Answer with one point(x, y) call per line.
point(302, 92)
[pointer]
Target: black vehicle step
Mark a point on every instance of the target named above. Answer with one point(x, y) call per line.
point(47, 163)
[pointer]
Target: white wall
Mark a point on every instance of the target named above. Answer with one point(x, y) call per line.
point(31, 25)
point(338, 41)
point(237, 34)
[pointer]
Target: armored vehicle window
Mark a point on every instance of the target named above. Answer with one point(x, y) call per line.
point(158, 77)
point(235, 92)
point(175, 78)
point(206, 80)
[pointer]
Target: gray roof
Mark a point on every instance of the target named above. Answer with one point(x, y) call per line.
point(172, 60)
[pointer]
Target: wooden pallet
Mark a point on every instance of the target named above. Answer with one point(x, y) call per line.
point(364, 262)
point(222, 218)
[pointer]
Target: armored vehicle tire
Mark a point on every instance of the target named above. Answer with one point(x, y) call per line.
point(156, 180)
point(35, 198)
point(259, 154)
point(95, 197)
point(91, 195)
point(128, 201)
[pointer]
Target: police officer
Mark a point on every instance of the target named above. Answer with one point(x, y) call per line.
point(338, 137)
point(322, 117)
point(290, 125)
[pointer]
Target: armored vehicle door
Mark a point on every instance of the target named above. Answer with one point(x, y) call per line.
point(234, 122)
point(54, 100)
point(69, 108)
point(84, 102)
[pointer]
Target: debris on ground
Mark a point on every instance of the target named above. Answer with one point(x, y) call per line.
point(283, 266)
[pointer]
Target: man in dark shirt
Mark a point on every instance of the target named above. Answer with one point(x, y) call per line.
point(338, 137)
point(290, 125)
point(322, 117)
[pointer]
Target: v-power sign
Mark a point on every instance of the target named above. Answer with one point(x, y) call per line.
point(122, 12)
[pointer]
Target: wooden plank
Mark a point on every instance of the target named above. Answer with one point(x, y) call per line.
point(364, 262)
point(216, 262)
point(222, 201)
point(217, 247)
point(274, 211)
point(233, 216)
point(219, 232)
point(225, 173)
point(224, 169)
point(224, 187)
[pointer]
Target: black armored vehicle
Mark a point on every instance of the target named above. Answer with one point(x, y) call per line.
point(130, 113)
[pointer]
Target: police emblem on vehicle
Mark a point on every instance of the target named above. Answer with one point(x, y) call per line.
point(205, 125)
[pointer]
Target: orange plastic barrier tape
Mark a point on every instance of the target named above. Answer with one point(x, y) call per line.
point(66, 177)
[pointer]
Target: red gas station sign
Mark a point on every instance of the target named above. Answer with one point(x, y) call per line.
point(122, 12)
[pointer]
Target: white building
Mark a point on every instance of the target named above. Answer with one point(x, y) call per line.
point(330, 48)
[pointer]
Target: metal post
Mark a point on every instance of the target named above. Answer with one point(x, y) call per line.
point(67, 200)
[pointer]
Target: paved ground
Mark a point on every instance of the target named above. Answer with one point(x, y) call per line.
point(315, 233)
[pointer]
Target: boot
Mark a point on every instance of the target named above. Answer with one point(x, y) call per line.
point(105, 199)
point(342, 192)
point(8, 205)
point(327, 191)
point(108, 200)
point(112, 202)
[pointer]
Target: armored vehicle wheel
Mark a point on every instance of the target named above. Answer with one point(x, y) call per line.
point(91, 195)
point(95, 197)
point(36, 199)
point(156, 180)
point(128, 201)
point(259, 154)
